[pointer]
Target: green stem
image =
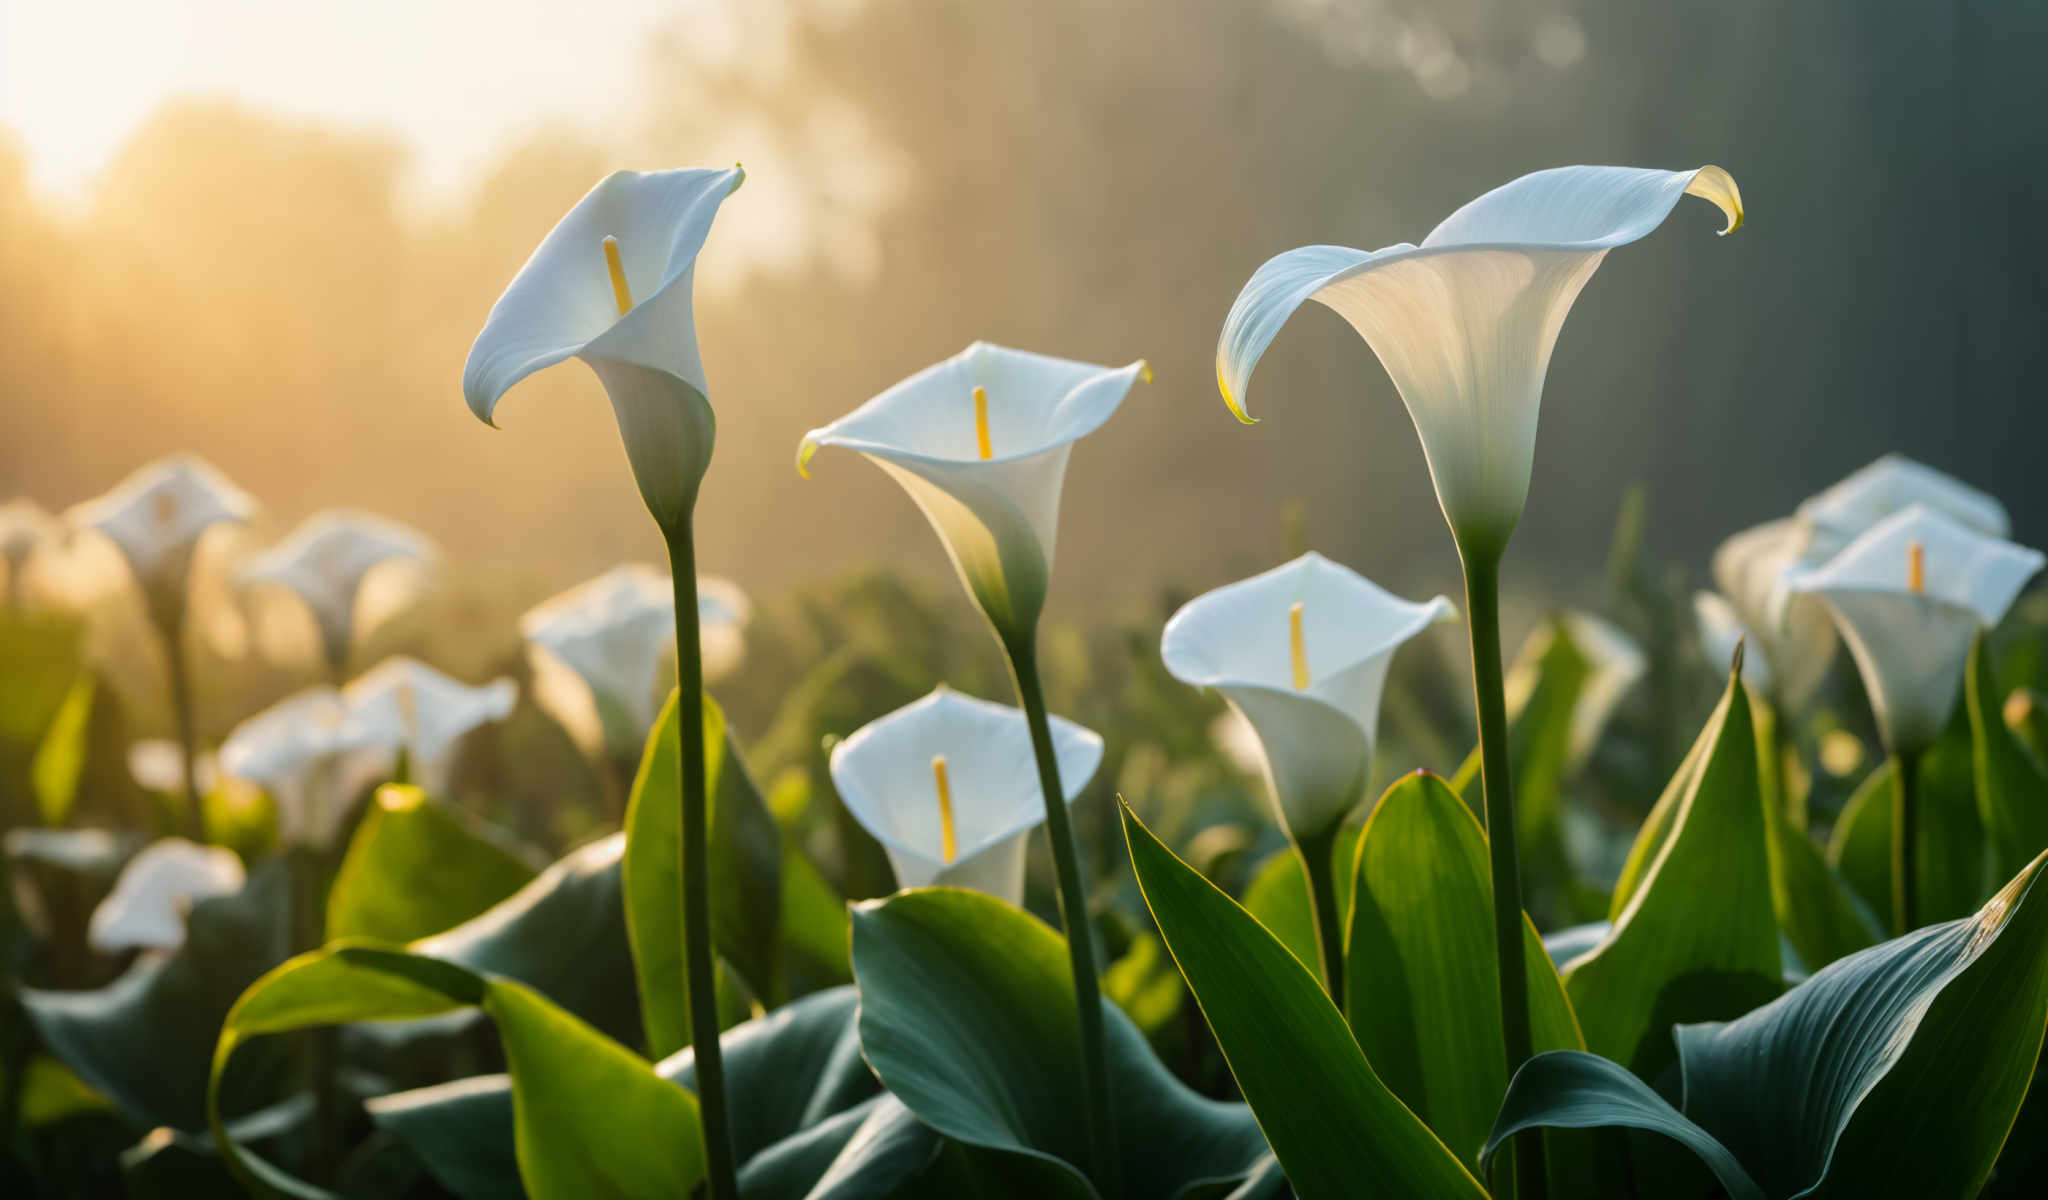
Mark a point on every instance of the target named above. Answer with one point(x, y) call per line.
point(321, 1048)
point(182, 713)
point(721, 1176)
point(1905, 817)
point(1099, 1107)
point(1482, 610)
point(1316, 851)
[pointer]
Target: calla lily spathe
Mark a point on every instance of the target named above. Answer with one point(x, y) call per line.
point(602, 645)
point(1614, 664)
point(146, 908)
point(312, 755)
point(325, 561)
point(1894, 483)
point(1464, 323)
point(156, 517)
point(406, 705)
point(1791, 641)
point(637, 331)
point(884, 775)
point(1318, 740)
point(994, 501)
point(1909, 624)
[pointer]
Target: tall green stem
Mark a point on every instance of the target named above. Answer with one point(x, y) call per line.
point(721, 1174)
point(321, 1048)
point(1316, 851)
point(1100, 1108)
point(182, 713)
point(1905, 818)
point(1482, 608)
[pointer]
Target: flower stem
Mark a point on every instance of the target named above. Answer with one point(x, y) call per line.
point(1482, 610)
point(182, 714)
point(721, 1176)
point(1316, 851)
point(1905, 818)
point(320, 1048)
point(1099, 1107)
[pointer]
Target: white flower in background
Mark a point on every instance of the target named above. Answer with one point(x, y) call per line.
point(147, 907)
point(1721, 630)
point(980, 441)
point(601, 650)
point(158, 765)
point(24, 529)
point(326, 560)
point(1892, 484)
point(611, 284)
point(1791, 640)
point(313, 756)
point(949, 786)
point(1465, 322)
point(408, 706)
point(1909, 597)
point(157, 516)
point(1302, 652)
point(1614, 664)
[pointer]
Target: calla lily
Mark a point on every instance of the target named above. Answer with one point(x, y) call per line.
point(156, 517)
point(946, 785)
point(1791, 641)
point(1614, 663)
point(408, 706)
point(980, 441)
point(313, 756)
point(1892, 484)
point(611, 284)
point(1465, 322)
point(1302, 652)
point(24, 529)
point(602, 644)
point(325, 561)
point(1909, 596)
point(147, 906)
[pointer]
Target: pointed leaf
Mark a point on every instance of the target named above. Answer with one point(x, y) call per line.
point(2012, 792)
point(1278, 895)
point(1330, 1120)
point(1950, 846)
point(416, 867)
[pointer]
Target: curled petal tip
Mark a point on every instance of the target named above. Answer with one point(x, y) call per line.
point(1223, 385)
point(739, 176)
point(804, 450)
point(1717, 186)
point(1144, 371)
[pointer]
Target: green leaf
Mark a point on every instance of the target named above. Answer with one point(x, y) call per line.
point(745, 850)
point(814, 924)
point(416, 867)
point(1896, 1071)
point(1698, 937)
point(1570, 1089)
point(589, 1116)
point(2012, 792)
point(1951, 850)
point(1424, 994)
point(1278, 896)
point(967, 1015)
point(60, 759)
point(1330, 1120)
point(1145, 984)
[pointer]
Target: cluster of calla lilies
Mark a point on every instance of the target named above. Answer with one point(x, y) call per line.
point(1907, 565)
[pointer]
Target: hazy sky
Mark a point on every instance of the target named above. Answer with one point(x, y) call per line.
point(452, 77)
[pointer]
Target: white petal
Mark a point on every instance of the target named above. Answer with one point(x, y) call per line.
point(1721, 629)
point(157, 515)
point(883, 774)
point(1794, 632)
point(24, 529)
point(158, 764)
point(1963, 567)
point(147, 906)
point(407, 705)
point(312, 755)
point(325, 561)
point(1890, 484)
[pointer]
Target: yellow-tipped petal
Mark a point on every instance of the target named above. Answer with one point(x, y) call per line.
point(1297, 649)
point(1717, 186)
point(1223, 385)
point(1144, 371)
point(981, 423)
point(620, 292)
point(949, 846)
point(804, 450)
point(1916, 567)
point(739, 177)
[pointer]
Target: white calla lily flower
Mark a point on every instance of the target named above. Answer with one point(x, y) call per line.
point(1614, 664)
point(1302, 652)
point(602, 646)
point(947, 785)
point(1909, 596)
point(25, 528)
point(325, 561)
point(612, 284)
point(1465, 322)
point(1892, 484)
point(312, 755)
point(980, 441)
point(1791, 639)
point(147, 906)
point(1721, 630)
point(409, 706)
point(156, 517)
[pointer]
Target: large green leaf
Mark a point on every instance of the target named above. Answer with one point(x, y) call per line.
point(1331, 1122)
point(2012, 792)
point(60, 759)
point(1571, 1089)
point(1278, 895)
point(967, 1015)
point(1424, 994)
point(145, 1040)
point(814, 924)
point(416, 867)
point(745, 850)
point(589, 1116)
point(1698, 937)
